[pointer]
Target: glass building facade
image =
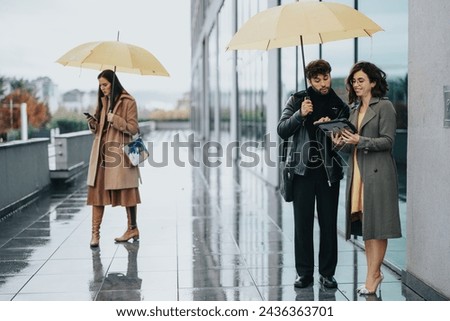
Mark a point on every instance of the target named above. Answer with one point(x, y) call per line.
point(238, 96)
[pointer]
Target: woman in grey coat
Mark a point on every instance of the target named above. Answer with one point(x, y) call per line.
point(372, 189)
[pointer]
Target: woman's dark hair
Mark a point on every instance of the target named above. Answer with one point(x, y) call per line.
point(116, 91)
point(317, 67)
point(375, 75)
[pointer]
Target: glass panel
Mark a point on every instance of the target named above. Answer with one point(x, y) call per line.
point(252, 69)
point(389, 50)
point(341, 56)
point(225, 67)
point(212, 82)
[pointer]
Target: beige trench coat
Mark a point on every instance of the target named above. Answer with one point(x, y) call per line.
point(119, 174)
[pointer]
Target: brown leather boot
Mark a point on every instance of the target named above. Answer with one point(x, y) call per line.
point(97, 216)
point(132, 232)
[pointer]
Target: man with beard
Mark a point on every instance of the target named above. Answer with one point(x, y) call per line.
point(317, 170)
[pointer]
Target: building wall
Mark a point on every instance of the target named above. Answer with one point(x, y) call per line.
point(428, 242)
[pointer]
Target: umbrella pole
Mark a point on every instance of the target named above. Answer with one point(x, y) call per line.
point(111, 106)
point(111, 103)
point(296, 69)
point(303, 60)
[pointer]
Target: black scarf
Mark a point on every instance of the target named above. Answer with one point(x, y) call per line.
point(321, 108)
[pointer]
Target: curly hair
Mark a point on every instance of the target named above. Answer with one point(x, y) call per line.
point(375, 74)
point(317, 67)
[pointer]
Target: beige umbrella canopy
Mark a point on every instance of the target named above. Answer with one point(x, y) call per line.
point(299, 23)
point(115, 55)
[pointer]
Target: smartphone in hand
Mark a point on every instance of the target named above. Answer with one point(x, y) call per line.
point(88, 115)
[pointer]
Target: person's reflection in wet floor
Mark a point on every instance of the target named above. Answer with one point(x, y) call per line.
point(118, 286)
point(304, 294)
point(327, 294)
point(374, 297)
point(307, 294)
point(99, 274)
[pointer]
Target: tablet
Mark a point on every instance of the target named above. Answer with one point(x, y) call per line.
point(337, 125)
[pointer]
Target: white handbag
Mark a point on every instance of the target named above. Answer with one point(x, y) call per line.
point(136, 150)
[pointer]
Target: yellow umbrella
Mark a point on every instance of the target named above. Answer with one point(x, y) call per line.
point(304, 22)
point(115, 55)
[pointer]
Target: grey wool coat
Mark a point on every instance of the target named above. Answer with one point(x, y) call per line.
point(381, 219)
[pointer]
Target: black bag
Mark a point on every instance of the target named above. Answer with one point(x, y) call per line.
point(286, 174)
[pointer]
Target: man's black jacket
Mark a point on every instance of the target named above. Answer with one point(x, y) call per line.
point(293, 124)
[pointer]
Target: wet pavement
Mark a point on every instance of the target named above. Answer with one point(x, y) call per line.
point(206, 234)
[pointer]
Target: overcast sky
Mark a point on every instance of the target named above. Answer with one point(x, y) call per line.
point(35, 33)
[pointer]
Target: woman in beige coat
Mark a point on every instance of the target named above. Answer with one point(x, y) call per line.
point(372, 190)
point(112, 180)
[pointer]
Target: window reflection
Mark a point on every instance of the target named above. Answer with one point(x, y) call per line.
point(252, 87)
point(225, 69)
point(213, 98)
point(387, 49)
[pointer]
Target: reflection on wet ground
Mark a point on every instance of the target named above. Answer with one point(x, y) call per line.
point(206, 234)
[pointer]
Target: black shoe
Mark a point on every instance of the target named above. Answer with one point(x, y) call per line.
point(328, 281)
point(303, 281)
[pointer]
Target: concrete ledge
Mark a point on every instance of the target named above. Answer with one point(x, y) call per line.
point(71, 149)
point(69, 172)
point(24, 201)
point(24, 172)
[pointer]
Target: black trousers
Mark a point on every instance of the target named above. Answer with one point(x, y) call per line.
point(310, 190)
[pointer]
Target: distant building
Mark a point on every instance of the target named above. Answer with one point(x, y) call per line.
point(78, 101)
point(184, 102)
point(47, 92)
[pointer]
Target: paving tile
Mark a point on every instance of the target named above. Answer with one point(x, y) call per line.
point(220, 294)
point(290, 293)
point(20, 267)
point(64, 296)
point(55, 284)
point(6, 297)
point(214, 278)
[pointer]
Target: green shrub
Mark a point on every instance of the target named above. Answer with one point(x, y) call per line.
point(70, 125)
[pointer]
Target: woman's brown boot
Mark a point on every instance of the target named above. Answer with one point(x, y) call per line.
point(132, 232)
point(97, 216)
